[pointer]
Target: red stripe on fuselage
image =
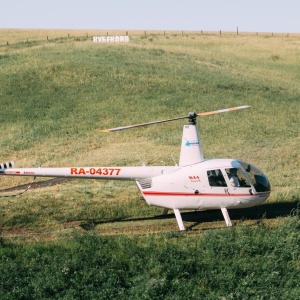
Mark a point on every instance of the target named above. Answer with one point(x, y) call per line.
point(176, 194)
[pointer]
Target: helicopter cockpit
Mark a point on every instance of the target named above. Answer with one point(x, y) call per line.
point(240, 175)
point(259, 181)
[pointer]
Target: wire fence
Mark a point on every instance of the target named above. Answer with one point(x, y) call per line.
point(79, 35)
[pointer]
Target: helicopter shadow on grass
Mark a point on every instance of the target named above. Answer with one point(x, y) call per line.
point(265, 211)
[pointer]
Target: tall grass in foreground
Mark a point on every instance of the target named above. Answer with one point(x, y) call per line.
point(239, 263)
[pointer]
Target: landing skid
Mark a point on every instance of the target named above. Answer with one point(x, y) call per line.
point(180, 222)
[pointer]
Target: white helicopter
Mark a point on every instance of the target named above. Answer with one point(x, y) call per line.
point(193, 184)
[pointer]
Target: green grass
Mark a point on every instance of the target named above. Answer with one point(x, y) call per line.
point(236, 263)
point(80, 236)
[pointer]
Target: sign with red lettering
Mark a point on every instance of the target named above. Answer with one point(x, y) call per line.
point(95, 171)
point(194, 178)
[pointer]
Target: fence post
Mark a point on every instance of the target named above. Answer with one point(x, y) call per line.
point(237, 30)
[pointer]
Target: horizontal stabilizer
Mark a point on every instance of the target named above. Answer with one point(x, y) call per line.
point(7, 165)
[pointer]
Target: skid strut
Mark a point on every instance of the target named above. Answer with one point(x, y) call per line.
point(226, 216)
point(179, 219)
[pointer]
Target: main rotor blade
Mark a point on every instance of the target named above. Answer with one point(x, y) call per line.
point(191, 115)
point(222, 110)
point(142, 124)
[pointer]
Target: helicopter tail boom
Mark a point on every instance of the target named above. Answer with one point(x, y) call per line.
point(110, 173)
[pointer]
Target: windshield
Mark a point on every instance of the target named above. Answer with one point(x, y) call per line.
point(257, 177)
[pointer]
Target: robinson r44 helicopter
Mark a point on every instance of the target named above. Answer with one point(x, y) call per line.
point(193, 184)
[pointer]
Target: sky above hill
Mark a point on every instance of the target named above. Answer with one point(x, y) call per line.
point(194, 15)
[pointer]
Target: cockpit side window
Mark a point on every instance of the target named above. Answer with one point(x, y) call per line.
point(216, 178)
point(237, 177)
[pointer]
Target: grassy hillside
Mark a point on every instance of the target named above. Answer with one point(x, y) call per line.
point(56, 95)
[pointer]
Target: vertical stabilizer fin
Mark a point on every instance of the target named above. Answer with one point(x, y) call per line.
point(191, 150)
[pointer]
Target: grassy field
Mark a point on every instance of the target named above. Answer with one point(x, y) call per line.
point(92, 239)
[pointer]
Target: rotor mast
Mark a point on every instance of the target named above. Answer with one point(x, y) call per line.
point(191, 150)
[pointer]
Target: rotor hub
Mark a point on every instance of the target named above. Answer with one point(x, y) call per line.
point(192, 118)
